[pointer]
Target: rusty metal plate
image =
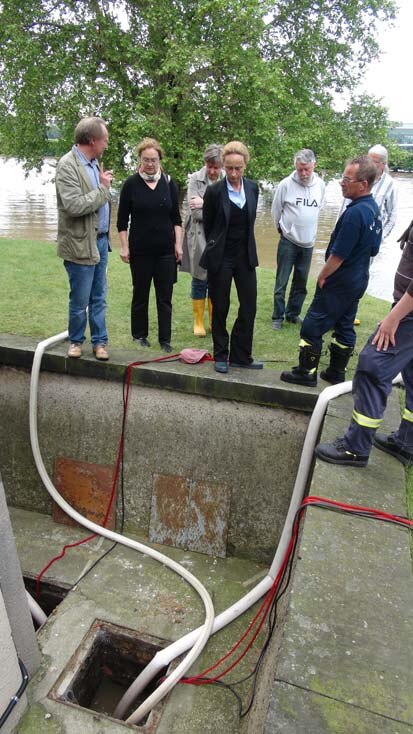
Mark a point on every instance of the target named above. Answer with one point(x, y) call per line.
point(190, 514)
point(87, 488)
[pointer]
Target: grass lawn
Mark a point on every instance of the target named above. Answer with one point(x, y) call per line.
point(34, 302)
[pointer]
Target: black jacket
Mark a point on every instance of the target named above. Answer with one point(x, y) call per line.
point(216, 215)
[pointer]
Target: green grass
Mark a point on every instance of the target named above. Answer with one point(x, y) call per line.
point(34, 302)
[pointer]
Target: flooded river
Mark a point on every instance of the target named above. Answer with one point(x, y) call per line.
point(28, 211)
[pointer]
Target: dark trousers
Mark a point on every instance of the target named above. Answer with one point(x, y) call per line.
point(372, 384)
point(219, 284)
point(162, 270)
point(333, 307)
point(291, 256)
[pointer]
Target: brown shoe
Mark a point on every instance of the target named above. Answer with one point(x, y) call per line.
point(101, 352)
point(74, 351)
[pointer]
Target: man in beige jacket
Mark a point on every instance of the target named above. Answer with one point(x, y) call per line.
point(82, 188)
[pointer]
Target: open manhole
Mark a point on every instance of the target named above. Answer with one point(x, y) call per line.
point(50, 594)
point(107, 661)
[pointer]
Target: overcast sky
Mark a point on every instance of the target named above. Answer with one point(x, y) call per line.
point(390, 77)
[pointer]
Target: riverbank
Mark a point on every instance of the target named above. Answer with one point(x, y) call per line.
point(34, 302)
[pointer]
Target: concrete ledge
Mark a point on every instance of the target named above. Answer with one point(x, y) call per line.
point(261, 387)
point(345, 660)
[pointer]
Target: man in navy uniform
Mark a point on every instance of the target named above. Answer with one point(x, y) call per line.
point(342, 280)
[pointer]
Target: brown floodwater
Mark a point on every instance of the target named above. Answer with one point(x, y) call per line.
point(28, 211)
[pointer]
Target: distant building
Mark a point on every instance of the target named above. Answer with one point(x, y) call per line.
point(403, 135)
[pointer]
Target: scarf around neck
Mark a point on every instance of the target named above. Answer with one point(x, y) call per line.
point(150, 177)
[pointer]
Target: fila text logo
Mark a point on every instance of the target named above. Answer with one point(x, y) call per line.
point(305, 202)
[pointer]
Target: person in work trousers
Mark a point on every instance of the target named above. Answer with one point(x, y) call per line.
point(387, 352)
point(193, 244)
point(342, 281)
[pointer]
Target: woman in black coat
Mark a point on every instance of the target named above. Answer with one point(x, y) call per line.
point(229, 214)
point(149, 201)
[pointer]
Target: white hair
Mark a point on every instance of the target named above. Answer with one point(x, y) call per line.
point(305, 155)
point(381, 151)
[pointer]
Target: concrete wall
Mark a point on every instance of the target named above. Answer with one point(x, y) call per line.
point(251, 449)
point(10, 675)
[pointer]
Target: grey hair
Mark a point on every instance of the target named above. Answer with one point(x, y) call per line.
point(381, 151)
point(89, 128)
point(305, 155)
point(213, 153)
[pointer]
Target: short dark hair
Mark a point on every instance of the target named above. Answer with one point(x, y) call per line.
point(88, 129)
point(367, 170)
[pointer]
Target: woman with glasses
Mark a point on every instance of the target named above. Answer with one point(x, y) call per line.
point(230, 254)
point(148, 204)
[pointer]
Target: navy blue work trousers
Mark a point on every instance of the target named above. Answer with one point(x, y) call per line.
point(333, 307)
point(372, 384)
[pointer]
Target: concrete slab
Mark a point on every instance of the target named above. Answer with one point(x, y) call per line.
point(347, 637)
point(131, 590)
point(303, 712)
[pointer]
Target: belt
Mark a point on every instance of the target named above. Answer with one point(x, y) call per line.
point(103, 234)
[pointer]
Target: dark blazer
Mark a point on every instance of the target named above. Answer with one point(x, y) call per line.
point(216, 215)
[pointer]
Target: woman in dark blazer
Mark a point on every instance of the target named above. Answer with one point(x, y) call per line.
point(229, 214)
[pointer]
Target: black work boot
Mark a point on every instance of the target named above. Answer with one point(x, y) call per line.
point(389, 445)
point(338, 453)
point(305, 373)
point(336, 370)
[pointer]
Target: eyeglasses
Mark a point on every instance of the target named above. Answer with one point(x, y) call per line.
point(149, 160)
point(347, 180)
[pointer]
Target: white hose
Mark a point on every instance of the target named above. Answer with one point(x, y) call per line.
point(164, 657)
point(203, 633)
point(35, 610)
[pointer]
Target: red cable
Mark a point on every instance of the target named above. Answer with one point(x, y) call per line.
point(115, 476)
point(264, 609)
point(266, 605)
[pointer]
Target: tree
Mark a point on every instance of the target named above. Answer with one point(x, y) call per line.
point(188, 72)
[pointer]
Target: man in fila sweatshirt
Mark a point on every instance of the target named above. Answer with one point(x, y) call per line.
point(295, 210)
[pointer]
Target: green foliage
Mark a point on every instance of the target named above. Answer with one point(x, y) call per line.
point(190, 72)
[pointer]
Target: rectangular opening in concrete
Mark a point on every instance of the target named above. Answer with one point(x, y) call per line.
point(102, 669)
point(50, 594)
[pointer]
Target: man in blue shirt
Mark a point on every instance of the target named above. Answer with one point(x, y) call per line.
point(83, 195)
point(342, 281)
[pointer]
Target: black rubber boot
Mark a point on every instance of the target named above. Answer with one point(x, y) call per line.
point(305, 373)
point(336, 370)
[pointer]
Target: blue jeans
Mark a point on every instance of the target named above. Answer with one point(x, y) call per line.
point(199, 288)
point(291, 256)
point(88, 297)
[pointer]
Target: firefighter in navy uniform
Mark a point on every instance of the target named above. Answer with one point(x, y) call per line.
point(387, 352)
point(342, 281)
